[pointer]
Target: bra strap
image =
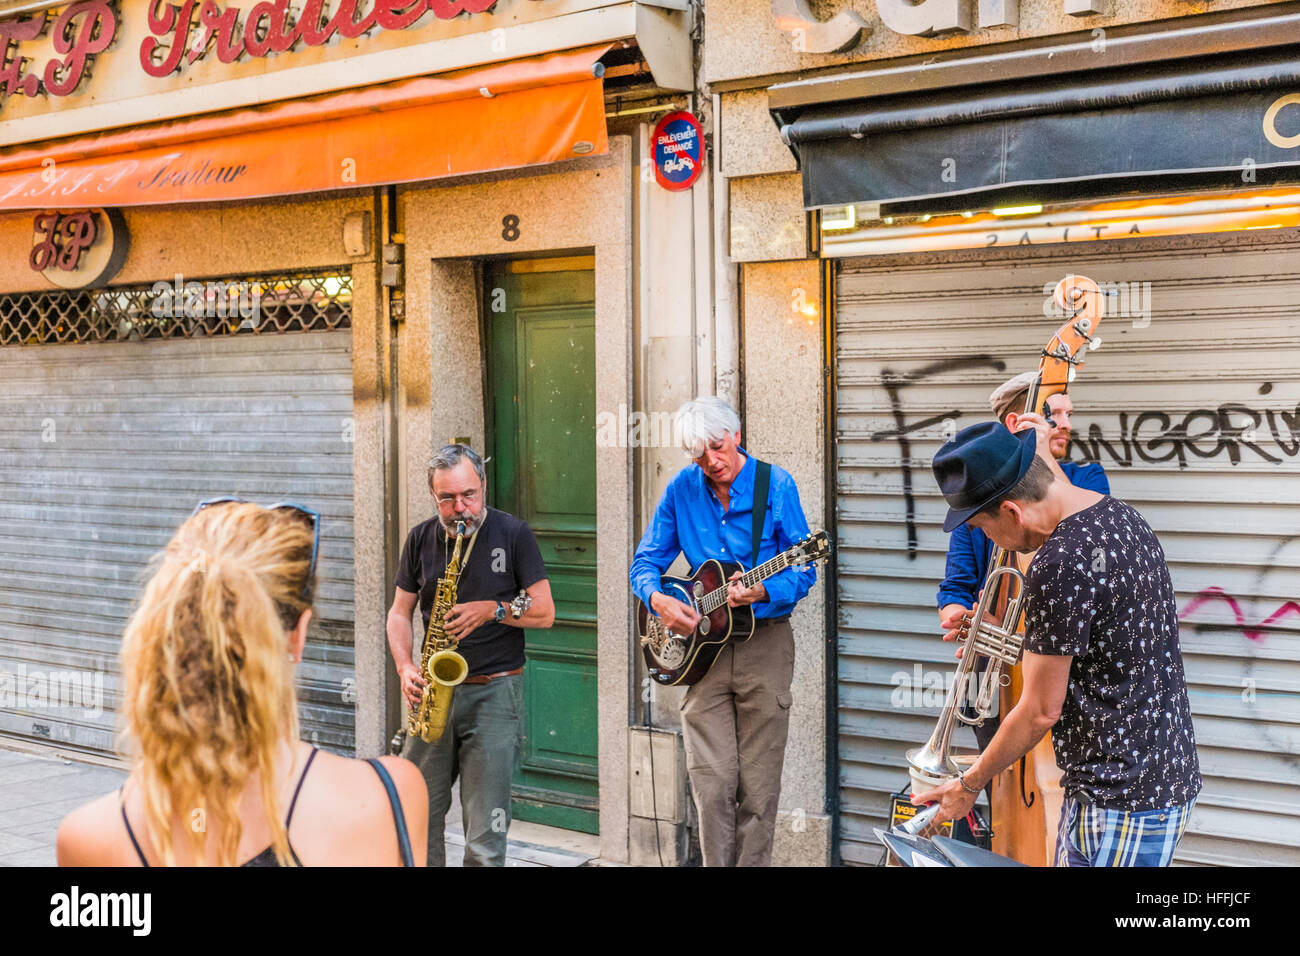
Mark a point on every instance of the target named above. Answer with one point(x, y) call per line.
point(298, 789)
point(129, 832)
point(403, 838)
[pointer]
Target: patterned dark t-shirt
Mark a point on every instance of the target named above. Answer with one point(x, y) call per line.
point(1099, 589)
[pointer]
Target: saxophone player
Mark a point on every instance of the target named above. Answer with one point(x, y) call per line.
point(1102, 665)
point(502, 589)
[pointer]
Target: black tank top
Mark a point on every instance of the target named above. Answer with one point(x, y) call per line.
point(267, 856)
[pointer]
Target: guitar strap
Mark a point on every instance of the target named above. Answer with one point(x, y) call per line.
point(762, 478)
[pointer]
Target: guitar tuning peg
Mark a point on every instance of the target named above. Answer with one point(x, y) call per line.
point(1094, 344)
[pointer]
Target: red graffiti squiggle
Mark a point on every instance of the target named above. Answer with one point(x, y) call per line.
point(1254, 634)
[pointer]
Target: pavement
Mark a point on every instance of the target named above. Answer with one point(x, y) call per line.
point(37, 789)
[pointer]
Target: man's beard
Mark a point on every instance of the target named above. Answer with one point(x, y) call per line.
point(472, 522)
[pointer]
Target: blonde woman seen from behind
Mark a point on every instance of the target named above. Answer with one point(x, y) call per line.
point(219, 775)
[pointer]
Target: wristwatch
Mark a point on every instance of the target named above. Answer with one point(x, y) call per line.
point(500, 614)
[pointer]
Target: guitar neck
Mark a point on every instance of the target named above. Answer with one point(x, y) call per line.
point(718, 597)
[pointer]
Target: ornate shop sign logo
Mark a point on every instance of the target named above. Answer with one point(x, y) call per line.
point(79, 249)
point(77, 34)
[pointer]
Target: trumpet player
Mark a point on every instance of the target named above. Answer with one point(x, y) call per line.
point(481, 742)
point(1102, 666)
point(969, 549)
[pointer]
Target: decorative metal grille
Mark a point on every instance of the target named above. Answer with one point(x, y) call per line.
point(184, 308)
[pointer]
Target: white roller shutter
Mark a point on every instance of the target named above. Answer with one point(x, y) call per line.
point(1196, 418)
point(105, 449)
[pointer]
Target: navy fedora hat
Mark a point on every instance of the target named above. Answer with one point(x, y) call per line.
point(979, 466)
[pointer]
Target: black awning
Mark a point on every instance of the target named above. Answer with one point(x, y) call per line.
point(1200, 122)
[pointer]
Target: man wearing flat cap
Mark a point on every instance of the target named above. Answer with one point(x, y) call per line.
point(1102, 666)
point(969, 549)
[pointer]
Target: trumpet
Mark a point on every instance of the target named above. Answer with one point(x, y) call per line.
point(986, 639)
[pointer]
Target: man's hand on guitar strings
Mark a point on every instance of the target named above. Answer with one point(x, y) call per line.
point(677, 617)
point(737, 595)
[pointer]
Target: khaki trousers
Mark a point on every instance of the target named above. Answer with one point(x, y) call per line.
point(734, 725)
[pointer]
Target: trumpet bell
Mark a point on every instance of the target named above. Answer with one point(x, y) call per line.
point(930, 769)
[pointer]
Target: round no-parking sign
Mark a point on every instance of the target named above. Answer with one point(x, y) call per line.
point(678, 144)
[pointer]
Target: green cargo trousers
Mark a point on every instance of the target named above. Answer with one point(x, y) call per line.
point(480, 747)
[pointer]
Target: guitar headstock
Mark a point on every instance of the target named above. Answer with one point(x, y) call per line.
point(1080, 298)
point(815, 547)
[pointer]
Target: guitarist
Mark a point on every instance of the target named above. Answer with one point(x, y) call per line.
point(735, 719)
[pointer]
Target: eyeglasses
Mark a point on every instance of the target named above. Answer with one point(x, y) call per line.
point(308, 513)
point(468, 497)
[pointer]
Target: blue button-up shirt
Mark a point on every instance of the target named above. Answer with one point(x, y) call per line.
point(690, 521)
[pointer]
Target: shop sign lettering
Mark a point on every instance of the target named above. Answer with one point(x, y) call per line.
point(183, 34)
point(908, 17)
point(271, 27)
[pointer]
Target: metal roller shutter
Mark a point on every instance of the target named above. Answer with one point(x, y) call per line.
point(107, 448)
point(1196, 418)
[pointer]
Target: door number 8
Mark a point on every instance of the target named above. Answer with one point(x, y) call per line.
point(511, 231)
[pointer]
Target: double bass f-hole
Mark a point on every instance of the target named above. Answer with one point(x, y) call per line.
point(1026, 799)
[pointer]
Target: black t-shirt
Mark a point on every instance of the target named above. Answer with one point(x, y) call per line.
point(505, 560)
point(1099, 589)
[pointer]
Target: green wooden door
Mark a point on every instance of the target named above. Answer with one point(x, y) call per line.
point(541, 382)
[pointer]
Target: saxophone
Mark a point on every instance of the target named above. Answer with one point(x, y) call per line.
point(440, 663)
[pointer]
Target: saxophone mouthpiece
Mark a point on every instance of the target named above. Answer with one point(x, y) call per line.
point(460, 528)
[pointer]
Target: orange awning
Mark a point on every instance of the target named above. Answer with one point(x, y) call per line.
point(520, 113)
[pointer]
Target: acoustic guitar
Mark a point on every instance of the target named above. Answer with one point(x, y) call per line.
point(674, 658)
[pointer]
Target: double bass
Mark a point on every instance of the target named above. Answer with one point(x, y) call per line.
point(1026, 796)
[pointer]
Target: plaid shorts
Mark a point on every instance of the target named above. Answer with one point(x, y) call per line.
point(1089, 835)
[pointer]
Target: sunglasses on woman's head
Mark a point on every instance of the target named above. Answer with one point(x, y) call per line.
point(311, 515)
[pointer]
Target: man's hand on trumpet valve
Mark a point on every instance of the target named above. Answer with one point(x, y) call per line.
point(955, 619)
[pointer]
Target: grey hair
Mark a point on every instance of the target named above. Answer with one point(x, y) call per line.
point(449, 456)
point(707, 418)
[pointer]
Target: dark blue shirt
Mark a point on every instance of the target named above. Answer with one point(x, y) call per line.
point(690, 521)
point(970, 549)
